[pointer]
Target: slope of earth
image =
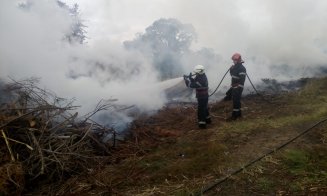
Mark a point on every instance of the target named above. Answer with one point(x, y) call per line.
point(168, 155)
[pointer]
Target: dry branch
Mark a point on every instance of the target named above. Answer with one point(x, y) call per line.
point(8, 146)
point(28, 146)
point(38, 127)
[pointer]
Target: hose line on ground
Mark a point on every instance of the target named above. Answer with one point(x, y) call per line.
point(221, 180)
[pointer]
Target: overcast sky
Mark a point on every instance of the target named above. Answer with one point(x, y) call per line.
point(265, 32)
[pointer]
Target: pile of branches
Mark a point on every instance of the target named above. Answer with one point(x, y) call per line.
point(41, 137)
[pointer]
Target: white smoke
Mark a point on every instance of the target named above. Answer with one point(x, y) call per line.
point(32, 45)
point(269, 34)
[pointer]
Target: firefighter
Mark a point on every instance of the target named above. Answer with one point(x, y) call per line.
point(200, 83)
point(238, 74)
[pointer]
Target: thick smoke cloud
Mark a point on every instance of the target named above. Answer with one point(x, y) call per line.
point(281, 40)
point(267, 33)
point(33, 44)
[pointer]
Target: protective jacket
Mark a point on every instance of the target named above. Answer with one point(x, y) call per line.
point(200, 83)
point(238, 74)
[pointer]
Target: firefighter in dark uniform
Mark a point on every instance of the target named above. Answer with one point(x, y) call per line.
point(200, 83)
point(238, 74)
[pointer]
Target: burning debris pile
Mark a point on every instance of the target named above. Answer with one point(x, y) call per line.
point(41, 139)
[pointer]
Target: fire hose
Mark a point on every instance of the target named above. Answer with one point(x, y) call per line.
point(221, 180)
point(219, 83)
point(246, 76)
point(257, 91)
point(185, 76)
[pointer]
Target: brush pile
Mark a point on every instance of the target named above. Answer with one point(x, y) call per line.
point(46, 148)
point(41, 138)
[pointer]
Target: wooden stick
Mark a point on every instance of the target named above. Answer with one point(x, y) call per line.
point(6, 140)
point(86, 133)
point(31, 112)
point(62, 124)
point(28, 146)
point(40, 152)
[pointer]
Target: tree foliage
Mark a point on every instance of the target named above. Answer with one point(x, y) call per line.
point(165, 42)
point(77, 33)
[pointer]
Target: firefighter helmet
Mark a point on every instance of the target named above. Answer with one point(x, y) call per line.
point(198, 69)
point(237, 57)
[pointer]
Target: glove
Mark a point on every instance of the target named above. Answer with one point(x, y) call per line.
point(186, 80)
point(190, 77)
point(227, 98)
point(228, 95)
point(229, 92)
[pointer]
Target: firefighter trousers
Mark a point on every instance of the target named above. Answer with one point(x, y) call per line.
point(203, 112)
point(236, 95)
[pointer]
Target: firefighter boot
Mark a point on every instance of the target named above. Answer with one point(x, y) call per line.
point(233, 117)
point(239, 114)
point(202, 125)
point(208, 120)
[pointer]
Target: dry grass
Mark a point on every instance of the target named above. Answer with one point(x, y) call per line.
point(165, 154)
